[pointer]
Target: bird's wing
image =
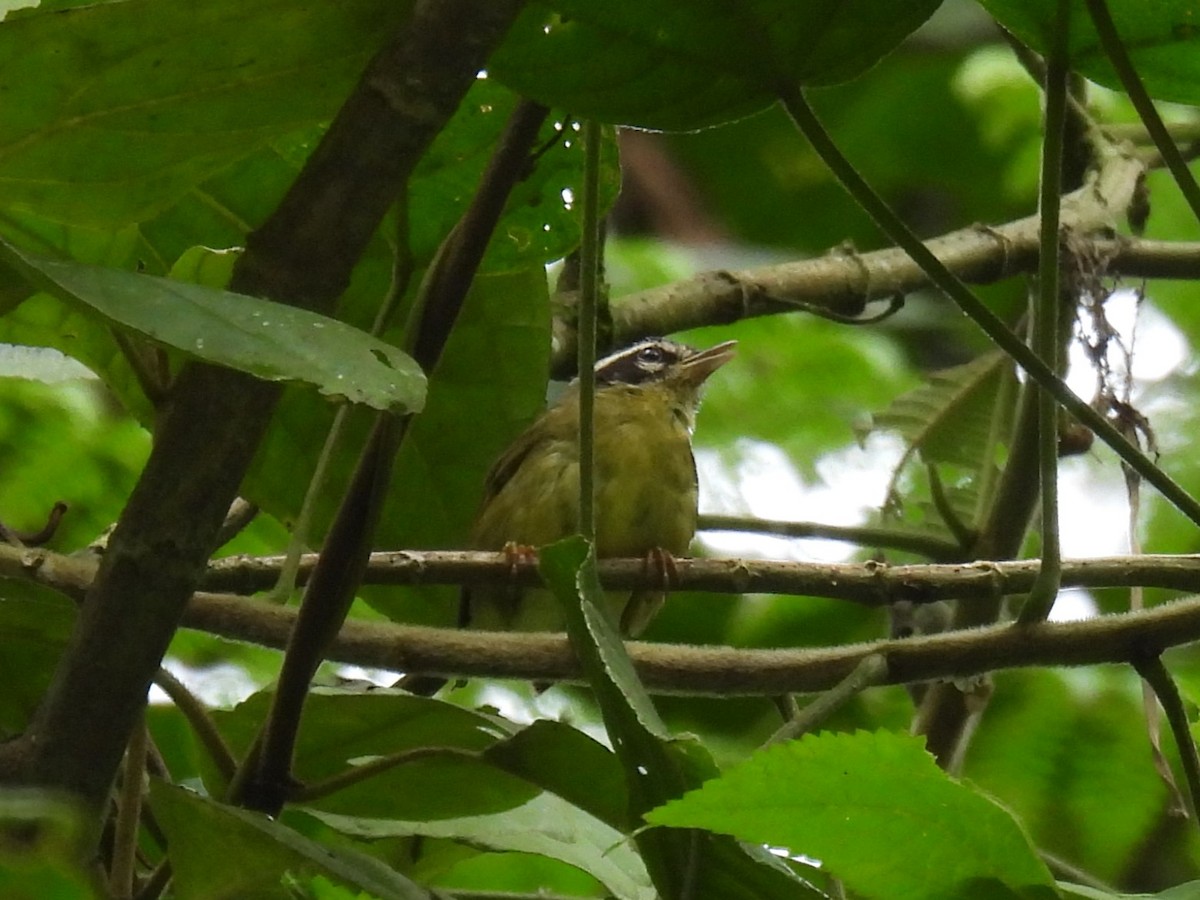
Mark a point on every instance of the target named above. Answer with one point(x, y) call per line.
point(558, 423)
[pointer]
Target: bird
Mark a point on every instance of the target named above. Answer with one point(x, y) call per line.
point(646, 398)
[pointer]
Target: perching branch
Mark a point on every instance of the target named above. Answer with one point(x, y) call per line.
point(868, 584)
point(711, 670)
point(846, 282)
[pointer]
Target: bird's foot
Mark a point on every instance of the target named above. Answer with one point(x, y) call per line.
point(519, 555)
point(662, 563)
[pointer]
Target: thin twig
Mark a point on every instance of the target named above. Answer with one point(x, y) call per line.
point(129, 812)
point(1151, 668)
point(201, 723)
point(872, 670)
point(864, 535)
point(1045, 320)
point(589, 301)
point(808, 123)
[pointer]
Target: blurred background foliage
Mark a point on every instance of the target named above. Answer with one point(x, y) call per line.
point(947, 128)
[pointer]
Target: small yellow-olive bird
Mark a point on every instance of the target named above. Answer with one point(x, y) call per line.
point(645, 480)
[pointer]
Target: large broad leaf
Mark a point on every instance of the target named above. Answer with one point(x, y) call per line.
point(219, 851)
point(566, 762)
point(670, 65)
point(545, 825)
point(346, 729)
point(268, 340)
point(1162, 39)
point(193, 86)
point(488, 385)
point(878, 813)
point(1072, 764)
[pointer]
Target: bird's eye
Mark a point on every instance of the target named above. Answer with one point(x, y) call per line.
point(651, 354)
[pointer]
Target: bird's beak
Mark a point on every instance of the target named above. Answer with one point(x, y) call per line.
point(696, 368)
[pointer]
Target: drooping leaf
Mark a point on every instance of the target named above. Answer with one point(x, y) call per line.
point(951, 418)
point(1161, 38)
point(267, 340)
point(663, 65)
point(681, 863)
point(959, 419)
point(877, 812)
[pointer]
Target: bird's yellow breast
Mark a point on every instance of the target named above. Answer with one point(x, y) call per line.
point(645, 474)
point(645, 478)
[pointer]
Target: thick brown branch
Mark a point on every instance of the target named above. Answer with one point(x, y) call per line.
point(845, 282)
point(870, 584)
point(676, 668)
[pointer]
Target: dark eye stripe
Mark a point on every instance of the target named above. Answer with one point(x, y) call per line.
point(642, 362)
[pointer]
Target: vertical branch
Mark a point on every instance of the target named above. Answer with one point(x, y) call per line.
point(1160, 681)
point(265, 778)
point(589, 289)
point(1045, 322)
point(129, 813)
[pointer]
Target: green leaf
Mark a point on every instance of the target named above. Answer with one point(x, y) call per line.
point(568, 567)
point(959, 419)
point(268, 340)
point(877, 812)
point(657, 768)
point(546, 825)
point(951, 418)
point(566, 762)
point(1162, 39)
point(219, 851)
point(35, 625)
point(195, 86)
point(661, 64)
point(1070, 757)
point(43, 846)
point(345, 729)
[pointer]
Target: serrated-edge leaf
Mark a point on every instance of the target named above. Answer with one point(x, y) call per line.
point(843, 798)
point(958, 417)
point(940, 409)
